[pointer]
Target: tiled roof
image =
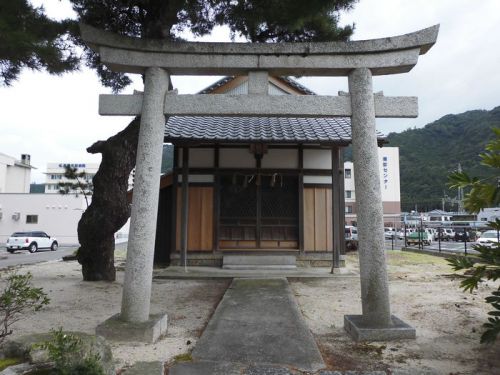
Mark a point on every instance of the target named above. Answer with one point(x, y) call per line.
point(288, 80)
point(297, 85)
point(258, 129)
point(215, 85)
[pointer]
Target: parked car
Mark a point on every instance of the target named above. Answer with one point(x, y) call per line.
point(447, 234)
point(351, 237)
point(351, 233)
point(420, 236)
point(433, 233)
point(31, 241)
point(488, 238)
point(462, 236)
point(389, 233)
point(401, 233)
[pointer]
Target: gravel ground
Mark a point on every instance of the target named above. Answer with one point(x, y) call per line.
point(80, 306)
point(423, 294)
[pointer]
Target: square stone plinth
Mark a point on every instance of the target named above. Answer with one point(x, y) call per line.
point(359, 331)
point(115, 329)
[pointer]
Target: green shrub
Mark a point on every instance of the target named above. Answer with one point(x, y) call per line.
point(66, 351)
point(19, 297)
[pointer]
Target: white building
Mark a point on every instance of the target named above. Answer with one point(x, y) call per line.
point(55, 174)
point(389, 183)
point(489, 214)
point(55, 214)
point(15, 174)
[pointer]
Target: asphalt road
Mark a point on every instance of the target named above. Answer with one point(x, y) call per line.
point(25, 257)
point(449, 246)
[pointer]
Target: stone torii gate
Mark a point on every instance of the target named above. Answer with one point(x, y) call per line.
point(358, 60)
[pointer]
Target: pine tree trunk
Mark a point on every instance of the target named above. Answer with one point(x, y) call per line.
point(109, 209)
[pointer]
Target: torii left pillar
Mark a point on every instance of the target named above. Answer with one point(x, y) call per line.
point(134, 321)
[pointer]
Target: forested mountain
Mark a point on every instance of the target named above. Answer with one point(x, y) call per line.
point(429, 154)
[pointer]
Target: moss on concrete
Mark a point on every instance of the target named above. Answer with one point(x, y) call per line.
point(6, 362)
point(184, 357)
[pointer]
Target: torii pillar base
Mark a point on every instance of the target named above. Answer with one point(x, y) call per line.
point(150, 331)
point(360, 331)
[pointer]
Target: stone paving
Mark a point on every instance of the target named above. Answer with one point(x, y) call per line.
point(257, 322)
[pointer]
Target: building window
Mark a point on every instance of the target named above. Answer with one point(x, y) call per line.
point(31, 219)
point(347, 173)
point(348, 193)
point(348, 209)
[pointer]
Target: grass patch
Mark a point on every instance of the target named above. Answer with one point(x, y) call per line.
point(404, 258)
point(184, 357)
point(6, 362)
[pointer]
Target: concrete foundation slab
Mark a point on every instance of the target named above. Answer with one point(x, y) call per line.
point(115, 329)
point(256, 267)
point(249, 262)
point(360, 331)
point(259, 322)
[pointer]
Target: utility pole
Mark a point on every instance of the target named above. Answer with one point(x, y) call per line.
point(460, 197)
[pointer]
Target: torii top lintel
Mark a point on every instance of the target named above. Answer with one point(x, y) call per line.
point(391, 55)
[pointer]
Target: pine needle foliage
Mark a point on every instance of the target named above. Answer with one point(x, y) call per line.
point(258, 21)
point(29, 39)
point(77, 182)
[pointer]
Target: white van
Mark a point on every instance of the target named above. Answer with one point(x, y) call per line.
point(351, 233)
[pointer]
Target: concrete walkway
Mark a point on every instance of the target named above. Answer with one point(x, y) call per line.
point(257, 323)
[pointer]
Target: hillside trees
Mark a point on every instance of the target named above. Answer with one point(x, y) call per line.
point(428, 155)
point(258, 21)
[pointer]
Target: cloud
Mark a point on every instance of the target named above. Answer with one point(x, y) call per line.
point(458, 74)
point(55, 118)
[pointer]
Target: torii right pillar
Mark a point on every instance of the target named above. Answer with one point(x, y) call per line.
point(376, 323)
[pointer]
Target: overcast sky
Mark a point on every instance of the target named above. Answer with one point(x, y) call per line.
point(55, 118)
